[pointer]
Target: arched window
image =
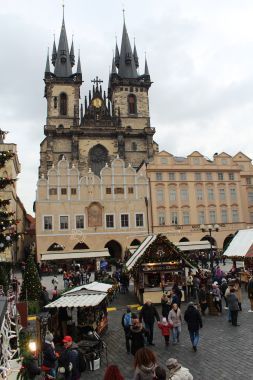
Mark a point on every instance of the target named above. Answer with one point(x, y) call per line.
point(63, 104)
point(132, 104)
point(98, 157)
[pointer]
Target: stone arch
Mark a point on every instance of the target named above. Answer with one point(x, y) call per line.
point(56, 247)
point(184, 239)
point(210, 239)
point(135, 242)
point(114, 248)
point(81, 245)
point(98, 157)
point(227, 241)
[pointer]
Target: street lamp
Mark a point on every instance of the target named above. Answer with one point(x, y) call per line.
point(210, 228)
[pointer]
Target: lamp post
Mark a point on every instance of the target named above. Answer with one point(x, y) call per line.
point(210, 228)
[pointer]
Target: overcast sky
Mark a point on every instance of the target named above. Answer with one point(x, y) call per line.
point(200, 56)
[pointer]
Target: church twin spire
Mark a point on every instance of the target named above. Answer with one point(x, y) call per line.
point(62, 59)
point(127, 61)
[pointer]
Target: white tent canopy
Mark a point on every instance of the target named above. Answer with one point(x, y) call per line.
point(74, 255)
point(95, 286)
point(241, 245)
point(194, 245)
point(78, 299)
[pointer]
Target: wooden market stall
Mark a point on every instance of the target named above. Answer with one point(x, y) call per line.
point(241, 249)
point(79, 311)
point(156, 266)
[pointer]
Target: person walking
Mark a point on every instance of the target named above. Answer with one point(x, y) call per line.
point(126, 324)
point(137, 333)
point(233, 306)
point(49, 355)
point(148, 314)
point(144, 364)
point(238, 292)
point(165, 327)
point(216, 297)
point(177, 371)
point(203, 299)
point(194, 322)
point(69, 360)
point(250, 293)
point(175, 319)
point(166, 305)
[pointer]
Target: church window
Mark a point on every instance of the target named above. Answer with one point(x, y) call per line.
point(108, 190)
point(63, 104)
point(55, 102)
point(98, 157)
point(134, 146)
point(132, 109)
point(63, 191)
point(53, 191)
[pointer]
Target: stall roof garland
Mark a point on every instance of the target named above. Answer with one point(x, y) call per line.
point(161, 250)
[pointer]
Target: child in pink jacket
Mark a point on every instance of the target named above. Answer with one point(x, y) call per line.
point(165, 327)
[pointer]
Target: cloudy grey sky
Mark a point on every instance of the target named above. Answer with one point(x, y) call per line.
point(200, 56)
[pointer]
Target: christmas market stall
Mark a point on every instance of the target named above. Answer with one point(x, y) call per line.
point(156, 266)
point(241, 249)
point(78, 312)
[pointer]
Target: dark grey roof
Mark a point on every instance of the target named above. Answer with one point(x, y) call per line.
point(72, 54)
point(63, 63)
point(47, 69)
point(136, 59)
point(116, 55)
point(127, 68)
point(114, 70)
point(54, 53)
point(79, 69)
point(146, 71)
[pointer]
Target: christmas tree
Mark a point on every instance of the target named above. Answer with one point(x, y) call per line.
point(31, 287)
point(8, 221)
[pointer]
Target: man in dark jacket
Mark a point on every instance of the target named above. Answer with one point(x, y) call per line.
point(49, 355)
point(193, 319)
point(149, 313)
point(69, 360)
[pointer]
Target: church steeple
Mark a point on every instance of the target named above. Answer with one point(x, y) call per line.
point(146, 71)
point(72, 54)
point(127, 67)
point(54, 54)
point(63, 65)
point(117, 55)
point(79, 69)
point(47, 69)
point(136, 59)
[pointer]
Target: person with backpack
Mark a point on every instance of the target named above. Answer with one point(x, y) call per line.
point(71, 361)
point(126, 324)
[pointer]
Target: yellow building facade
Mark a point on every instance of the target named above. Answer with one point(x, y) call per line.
point(189, 193)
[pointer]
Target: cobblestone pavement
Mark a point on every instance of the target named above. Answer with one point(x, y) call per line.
point(225, 352)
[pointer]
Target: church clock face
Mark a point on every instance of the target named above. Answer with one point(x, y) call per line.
point(97, 103)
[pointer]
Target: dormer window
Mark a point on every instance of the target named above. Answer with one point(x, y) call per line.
point(132, 104)
point(128, 58)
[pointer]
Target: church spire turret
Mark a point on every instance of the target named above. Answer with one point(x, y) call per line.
point(47, 69)
point(63, 66)
point(117, 55)
point(72, 54)
point(127, 68)
point(79, 69)
point(136, 59)
point(146, 71)
point(54, 53)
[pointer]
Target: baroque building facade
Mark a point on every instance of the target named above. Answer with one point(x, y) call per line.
point(187, 193)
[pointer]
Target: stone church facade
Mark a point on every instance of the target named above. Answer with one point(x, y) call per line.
point(84, 141)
